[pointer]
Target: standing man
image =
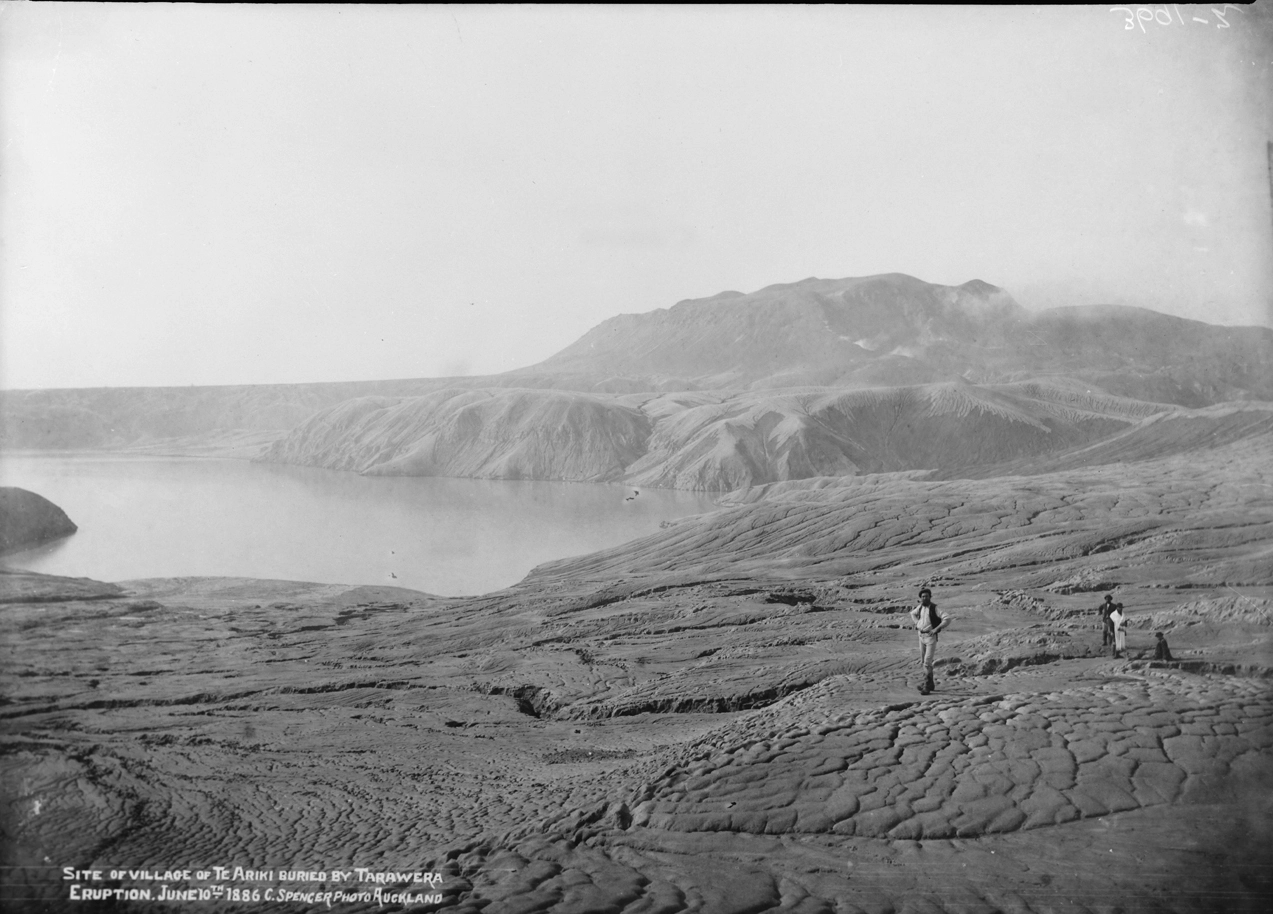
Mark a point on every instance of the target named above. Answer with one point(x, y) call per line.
point(1107, 627)
point(1119, 621)
point(928, 623)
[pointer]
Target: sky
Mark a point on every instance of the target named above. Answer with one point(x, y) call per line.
point(243, 194)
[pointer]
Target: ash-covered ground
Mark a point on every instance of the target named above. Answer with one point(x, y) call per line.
point(722, 717)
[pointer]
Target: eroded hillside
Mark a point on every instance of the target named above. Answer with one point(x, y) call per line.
point(721, 717)
point(834, 334)
point(708, 440)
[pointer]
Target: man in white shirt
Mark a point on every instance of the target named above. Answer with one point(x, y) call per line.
point(1120, 630)
point(928, 622)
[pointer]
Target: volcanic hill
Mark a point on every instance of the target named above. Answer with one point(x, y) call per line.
point(896, 330)
point(721, 717)
point(815, 378)
point(712, 393)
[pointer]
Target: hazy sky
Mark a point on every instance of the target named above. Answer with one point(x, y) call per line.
point(252, 194)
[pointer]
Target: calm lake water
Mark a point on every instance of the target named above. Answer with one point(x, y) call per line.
point(143, 517)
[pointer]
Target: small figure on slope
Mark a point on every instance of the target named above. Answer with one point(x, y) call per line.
point(928, 622)
point(1120, 629)
point(1107, 627)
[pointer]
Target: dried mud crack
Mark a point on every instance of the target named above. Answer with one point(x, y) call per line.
point(722, 717)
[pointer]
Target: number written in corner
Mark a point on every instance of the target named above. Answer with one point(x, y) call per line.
point(1162, 14)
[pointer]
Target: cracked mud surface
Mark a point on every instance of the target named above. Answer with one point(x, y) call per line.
point(720, 718)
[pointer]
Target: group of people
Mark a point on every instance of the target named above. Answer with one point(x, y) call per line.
point(1114, 630)
point(1112, 620)
point(929, 623)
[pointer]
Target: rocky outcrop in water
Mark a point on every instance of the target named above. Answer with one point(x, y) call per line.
point(721, 717)
point(28, 519)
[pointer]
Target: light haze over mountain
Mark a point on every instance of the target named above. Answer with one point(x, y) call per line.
point(797, 380)
point(430, 240)
point(203, 194)
point(894, 329)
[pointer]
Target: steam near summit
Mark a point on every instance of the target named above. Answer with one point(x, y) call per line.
point(895, 329)
point(822, 377)
point(816, 309)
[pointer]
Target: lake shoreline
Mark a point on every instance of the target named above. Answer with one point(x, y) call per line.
point(145, 516)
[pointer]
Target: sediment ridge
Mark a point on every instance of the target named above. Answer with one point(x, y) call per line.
point(722, 717)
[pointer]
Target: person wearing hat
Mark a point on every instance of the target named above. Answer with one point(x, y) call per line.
point(1107, 627)
point(928, 623)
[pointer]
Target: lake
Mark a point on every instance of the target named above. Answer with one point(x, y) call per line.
point(143, 517)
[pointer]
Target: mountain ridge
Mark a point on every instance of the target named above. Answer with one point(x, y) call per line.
point(736, 389)
point(705, 440)
point(894, 329)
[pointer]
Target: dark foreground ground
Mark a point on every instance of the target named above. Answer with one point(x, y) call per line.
point(719, 718)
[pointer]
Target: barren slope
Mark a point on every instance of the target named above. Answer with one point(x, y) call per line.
point(718, 718)
point(177, 417)
point(704, 440)
point(482, 433)
point(881, 331)
point(895, 330)
point(814, 332)
point(1161, 434)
